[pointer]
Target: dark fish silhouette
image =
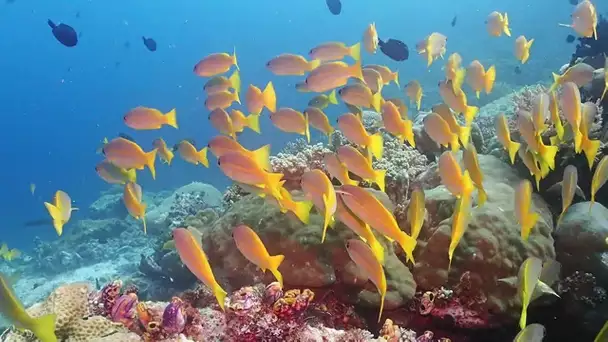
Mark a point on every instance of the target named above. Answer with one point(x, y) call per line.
point(394, 49)
point(454, 20)
point(149, 43)
point(570, 38)
point(334, 6)
point(65, 34)
point(517, 70)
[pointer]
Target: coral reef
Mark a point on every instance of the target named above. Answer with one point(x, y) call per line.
point(295, 159)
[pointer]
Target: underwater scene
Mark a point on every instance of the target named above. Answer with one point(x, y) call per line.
point(304, 171)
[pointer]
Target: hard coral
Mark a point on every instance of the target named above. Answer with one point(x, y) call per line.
point(295, 159)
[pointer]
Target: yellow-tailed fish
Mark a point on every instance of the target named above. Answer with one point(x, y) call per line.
point(532, 333)
point(319, 189)
point(189, 153)
point(334, 51)
point(439, 130)
point(504, 137)
point(479, 78)
point(370, 210)
point(370, 38)
point(222, 144)
point(413, 90)
point(132, 197)
point(529, 276)
point(164, 153)
point(602, 335)
point(373, 79)
point(60, 210)
point(113, 174)
point(400, 105)
point(251, 246)
point(600, 176)
point(456, 99)
point(301, 209)
point(579, 74)
point(446, 114)
point(145, 118)
point(571, 107)
point(9, 254)
point(364, 258)
point(332, 75)
point(401, 128)
point(555, 119)
point(522, 49)
point(353, 129)
point(12, 309)
point(240, 121)
point(415, 213)
point(456, 182)
point(291, 121)
point(243, 168)
point(221, 100)
point(453, 70)
point(432, 47)
point(460, 223)
point(362, 229)
point(358, 164)
point(590, 147)
point(355, 110)
point(569, 186)
point(535, 142)
point(193, 256)
point(387, 74)
point(337, 169)
point(540, 113)
point(257, 99)
point(359, 94)
point(471, 164)
point(523, 208)
point(223, 83)
point(584, 20)
point(531, 163)
point(126, 154)
point(497, 24)
point(322, 101)
point(318, 120)
point(290, 64)
point(215, 64)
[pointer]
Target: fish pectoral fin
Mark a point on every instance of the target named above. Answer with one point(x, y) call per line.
point(510, 280)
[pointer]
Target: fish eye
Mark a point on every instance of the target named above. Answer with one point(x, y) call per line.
point(219, 162)
point(268, 63)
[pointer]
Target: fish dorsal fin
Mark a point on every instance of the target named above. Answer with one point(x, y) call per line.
point(51, 23)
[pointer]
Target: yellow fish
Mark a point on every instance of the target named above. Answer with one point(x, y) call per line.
point(589, 147)
point(457, 100)
point(458, 183)
point(415, 213)
point(460, 223)
point(395, 124)
point(132, 197)
point(113, 174)
point(337, 169)
point(571, 106)
point(523, 207)
point(7, 254)
point(440, 132)
point(471, 164)
point(362, 229)
point(522, 49)
point(364, 258)
point(318, 120)
point(251, 246)
point(569, 186)
point(535, 143)
point(353, 129)
point(600, 176)
point(504, 137)
point(126, 154)
point(497, 24)
point(370, 38)
point(481, 79)
point(446, 114)
point(602, 336)
point(557, 121)
point(529, 276)
point(165, 153)
point(532, 333)
point(579, 74)
point(301, 209)
point(60, 210)
point(361, 166)
point(413, 90)
point(322, 101)
point(319, 189)
point(189, 153)
point(43, 327)
point(532, 163)
point(386, 73)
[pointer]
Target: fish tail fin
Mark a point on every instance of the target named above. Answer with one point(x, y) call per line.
point(549, 155)
point(590, 147)
point(482, 196)
point(429, 58)
point(454, 144)
point(220, 295)
point(275, 262)
point(171, 118)
point(306, 128)
point(465, 135)
point(469, 114)
point(332, 97)
point(132, 175)
point(269, 97)
point(528, 224)
point(604, 93)
point(274, 184)
point(396, 78)
point(355, 51)
point(379, 178)
point(327, 217)
point(302, 211)
point(513, 148)
point(202, 156)
point(56, 216)
point(376, 101)
point(409, 132)
point(356, 71)
point(236, 97)
point(235, 81)
point(528, 47)
point(377, 249)
point(262, 157)
point(458, 80)
point(557, 80)
point(44, 327)
point(253, 121)
point(376, 145)
point(150, 159)
point(578, 140)
point(234, 62)
point(312, 65)
point(489, 79)
point(143, 220)
point(382, 296)
point(523, 318)
point(408, 244)
point(506, 28)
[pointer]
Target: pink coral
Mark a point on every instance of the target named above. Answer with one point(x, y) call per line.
point(295, 159)
point(174, 321)
point(123, 310)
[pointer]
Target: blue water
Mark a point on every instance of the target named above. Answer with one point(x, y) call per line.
point(58, 103)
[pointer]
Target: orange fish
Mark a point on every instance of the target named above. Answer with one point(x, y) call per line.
point(318, 120)
point(432, 47)
point(439, 130)
point(126, 154)
point(223, 83)
point(358, 164)
point(215, 64)
point(497, 24)
point(584, 20)
point(334, 51)
point(364, 258)
point(188, 152)
point(258, 99)
point(413, 90)
point(193, 256)
point(251, 246)
point(132, 197)
point(373, 79)
point(221, 121)
point(353, 129)
point(291, 65)
point(332, 75)
point(362, 229)
point(244, 169)
point(222, 100)
point(319, 189)
point(291, 121)
point(360, 95)
point(144, 118)
point(446, 114)
point(456, 99)
point(165, 153)
point(113, 174)
point(479, 78)
point(403, 129)
point(455, 181)
point(221, 145)
point(370, 38)
point(240, 121)
point(337, 170)
point(386, 73)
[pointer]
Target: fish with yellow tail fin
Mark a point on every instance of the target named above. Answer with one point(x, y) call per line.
point(600, 176)
point(479, 78)
point(222, 99)
point(602, 335)
point(413, 90)
point(439, 131)
point(569, 187)
point(113, 174)
point(364, 258)
point(555, 119)
point(415, 213)
point(332, 75)
point(522, 49)
point(456, 99)
point(251, 246)
point(288, 64)
point(322, 101)
point(318, 120)
point(523, 208)
point(240, 121)
point(362, 229)
point(453, 70)
point(373, 79)
point(257, 99)
point(460, 223)
point(337, 169)
point(9, 254)
point(223, 83)
point(301, 209)
point(432, 47)
point(221, 144)
point(353, 129)
point(589, 147)
point(579, 74)
point(446, 114)
point(497, 24)
point(532, 333)
point(387, 74)
point(535, 143)
point(189, 153)
point(215, 64)
point(471, 164)
point(12, 309)
point(456, 182)
point(244, 169)
point(192, 255)
point(335, 51)
point(584, 20)
point(145, 118)
point(60, 210)
point(359, 94)
point(540, 113)
point(221, 120)
point(291, 121)
point(571, 106)
point(126, 154)
point(319, 189)
point(531, 163)
point(401, 128)
point(370, 38)
point(164, 153)
point(370, 210)
point(361, 166)
point(133, 199)
point(504, 137)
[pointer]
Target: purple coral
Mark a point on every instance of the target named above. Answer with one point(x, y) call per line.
point(123, 310)
point(173, 317)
